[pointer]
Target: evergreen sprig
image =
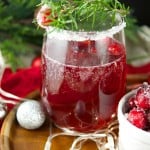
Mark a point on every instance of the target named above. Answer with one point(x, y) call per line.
point(84, 15)
point(18, 35)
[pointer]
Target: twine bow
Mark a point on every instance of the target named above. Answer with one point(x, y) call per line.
point(104, 139)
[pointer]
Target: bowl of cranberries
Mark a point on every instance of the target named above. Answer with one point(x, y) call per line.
point(134, 119)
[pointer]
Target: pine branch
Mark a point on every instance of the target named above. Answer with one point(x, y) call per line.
point(84, 15)
point(18, 34)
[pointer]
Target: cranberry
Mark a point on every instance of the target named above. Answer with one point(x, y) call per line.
point(115, 48)
point(131, 102)
point(143, 97)
point(138, 118)
point(148, 117)
point(45, 17)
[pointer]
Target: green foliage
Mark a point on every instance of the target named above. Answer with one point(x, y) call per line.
point(131, 29)
point(84, 14)
point(18, 34)
point(90, 15)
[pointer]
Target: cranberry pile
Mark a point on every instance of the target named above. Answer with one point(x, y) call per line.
point(139, 108)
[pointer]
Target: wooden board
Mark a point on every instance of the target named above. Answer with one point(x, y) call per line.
point(14, 137)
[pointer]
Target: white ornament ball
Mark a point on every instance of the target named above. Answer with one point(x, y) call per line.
point(30, 115)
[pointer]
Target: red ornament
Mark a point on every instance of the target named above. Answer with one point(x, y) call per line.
point(36, 62)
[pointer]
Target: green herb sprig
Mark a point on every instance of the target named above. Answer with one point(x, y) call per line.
point(84, 14)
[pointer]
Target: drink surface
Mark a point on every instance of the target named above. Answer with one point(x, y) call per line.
point(83, 82)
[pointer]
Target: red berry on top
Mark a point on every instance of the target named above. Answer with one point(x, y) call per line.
point(138, 118)
point(46, 16)
point(43, 16)
point(143, 97)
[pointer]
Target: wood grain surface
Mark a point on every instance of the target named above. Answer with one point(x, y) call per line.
point(14, 137)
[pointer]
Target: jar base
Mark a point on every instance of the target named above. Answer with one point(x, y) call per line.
point(104, 139)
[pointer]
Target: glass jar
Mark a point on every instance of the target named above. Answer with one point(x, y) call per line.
point(83, 77)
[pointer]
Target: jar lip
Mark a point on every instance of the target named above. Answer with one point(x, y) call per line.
point(53, 32)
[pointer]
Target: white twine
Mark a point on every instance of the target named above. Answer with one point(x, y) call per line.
point(98, 137)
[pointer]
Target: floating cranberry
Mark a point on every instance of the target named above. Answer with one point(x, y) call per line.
point(115, 48)
point(43, 16)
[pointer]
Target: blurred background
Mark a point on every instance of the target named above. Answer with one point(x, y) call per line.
point(140, 10)
point(20, 36)
point(138, 34)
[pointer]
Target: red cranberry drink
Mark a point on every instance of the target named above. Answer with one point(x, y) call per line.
point(83, 81)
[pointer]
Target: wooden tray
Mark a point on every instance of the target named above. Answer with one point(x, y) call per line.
point(14, 137)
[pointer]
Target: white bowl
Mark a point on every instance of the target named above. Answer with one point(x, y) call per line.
point(130, 137)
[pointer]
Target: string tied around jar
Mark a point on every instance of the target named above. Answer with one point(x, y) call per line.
point(104, 139)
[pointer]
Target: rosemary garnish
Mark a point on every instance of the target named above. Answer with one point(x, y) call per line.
point(87, 15)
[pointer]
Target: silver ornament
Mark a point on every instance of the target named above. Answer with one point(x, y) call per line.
point(30, 115)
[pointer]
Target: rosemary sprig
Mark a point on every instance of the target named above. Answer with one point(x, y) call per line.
point(93, 15)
